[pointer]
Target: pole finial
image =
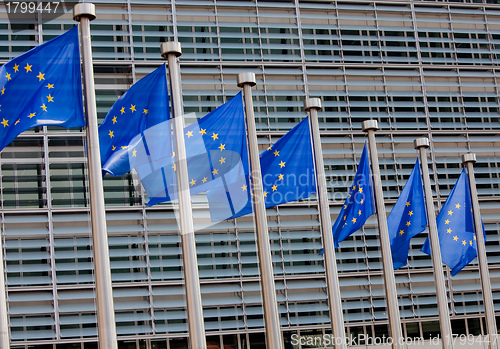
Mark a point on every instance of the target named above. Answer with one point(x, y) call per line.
point(370, 125)
point(312, 103)
point(421, 142)
point(86, 9)
point(469, 157)
point(171, 47)
point(246, 78)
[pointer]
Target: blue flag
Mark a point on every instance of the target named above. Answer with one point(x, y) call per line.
point(455, 225)
point(216, 155)
point(140, 115)
point(359, 204)
point(287, 175)
point(407, 218)
point(42, 87)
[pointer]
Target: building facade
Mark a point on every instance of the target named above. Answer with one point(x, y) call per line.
point(421, 68)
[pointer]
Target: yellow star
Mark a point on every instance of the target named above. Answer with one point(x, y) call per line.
point(362, 200)
point(40, 76)
point(28, 67)
point(408, 223)
point(18, 121)
point(113, 147)
point(450, 212)
point(345, 206)
point(49, 86)
point(215, 136)
point(269, 148)
point(122, 110)
point(204, 180)
point(174, 167)
point(16, 67)
point(464, 243)
point(474, 237)
point(222, 160)
point(448, 231)
point(110, 134)
point(5, 123)
point(280, 177)
point(282, 164)
point(353, 187)
point(44, 107)
point(274, 187)
point(193, 182)
point(457, 205)
point(470, 242)
point(203, 131)
point(222, 147)
point(189, 134)
point(132, 107)
point(114, 120)
point(455, 238)
point(410, 213)
point(8, 77)
point(401, 232)
point(215, 171)
point(145, 111)
point(345, 217)
point(134, 153)
point(276, 153)
point(360, 189)
point(123, 147)
point(359, 213)
point(407, 204)
point(354, 220)
point(50, 98)
point(244, 187)
point(31, 115)
point(3, 90)
point(447, 221)
point(265, 194)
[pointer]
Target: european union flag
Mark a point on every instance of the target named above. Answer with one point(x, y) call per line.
point(407, 218)
point(455, 225)
point(42, 87)
point(216, 155)
point(136, 130)
point(287, 175)
point(359, 204)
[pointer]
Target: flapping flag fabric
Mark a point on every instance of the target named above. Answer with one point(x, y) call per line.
point(287, 175)
point(42, 87)
point(216, 154)
point(359, 204)
point(139, 116)
point(455, 225)
point(407, 218)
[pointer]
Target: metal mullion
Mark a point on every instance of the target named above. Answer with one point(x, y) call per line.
point(131, 38)
point(217, 29)
point(148, 267)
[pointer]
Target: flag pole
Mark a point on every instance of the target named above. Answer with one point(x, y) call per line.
point(4, 319)
point(171, 50)
point(489, 309)
point(444, 315)
point(84, 13)
point(312, 105)
point(271, 315)
point(370, 126)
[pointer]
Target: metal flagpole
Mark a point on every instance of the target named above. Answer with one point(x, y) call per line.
point(171, 50)
point(84, 13)
point(370, 126)
point(312, 105)
point(444, 315)
point(4, 321)
point(270, 305)
point(469, 160)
